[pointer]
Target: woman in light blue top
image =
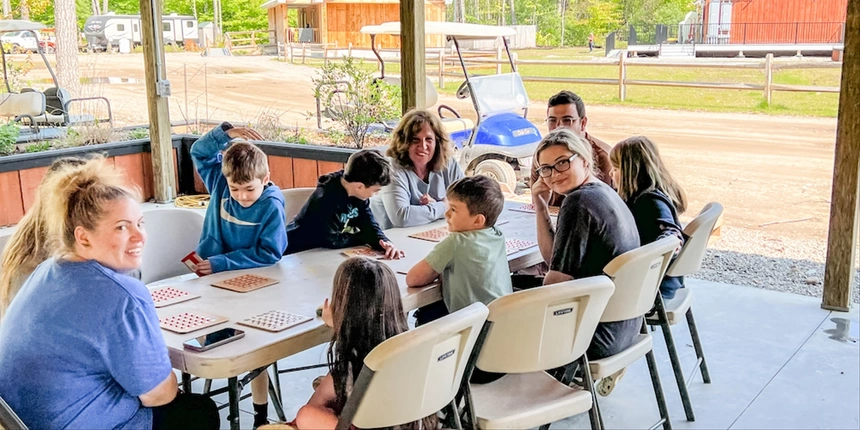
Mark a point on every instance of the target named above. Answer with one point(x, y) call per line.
point(424, 166)
point(81, 343)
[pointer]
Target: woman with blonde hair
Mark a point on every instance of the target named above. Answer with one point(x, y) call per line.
point(91, 331)
point(652, 195)
point(423, 166)
point(28, 246)
point(594, 227)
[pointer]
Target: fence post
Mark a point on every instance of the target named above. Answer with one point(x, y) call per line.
point(325, 54)
point(441, 82)
point(622, 76)
point(290, 51)
point(349, 50)
point(304, 45)
point(515, 60)
point(768, 78)
point(499, 59)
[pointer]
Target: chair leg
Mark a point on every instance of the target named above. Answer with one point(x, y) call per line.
point(455, 413)
point(658, 390)
point(697, 344)
point(673, 358)
point(593, 414)
point(207, 386)
point(276, 401)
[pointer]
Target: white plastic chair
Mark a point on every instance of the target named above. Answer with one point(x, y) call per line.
point(294, 200)
point(533, 330)
point(637, 275)
point(667, 314)
point(171, 235)
point(414, 374)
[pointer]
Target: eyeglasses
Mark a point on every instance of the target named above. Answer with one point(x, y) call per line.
point(559, 166)
point(567, 121)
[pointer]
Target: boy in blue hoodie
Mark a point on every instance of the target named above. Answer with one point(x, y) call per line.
point(337, 215)
point(244, 225)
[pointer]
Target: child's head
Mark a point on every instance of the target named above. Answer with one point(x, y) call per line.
point(367, 171)
point(637, 168)
point(474, 202)
point(246, 168)
point(366, 310)
point(420, 141)
point(29, 245)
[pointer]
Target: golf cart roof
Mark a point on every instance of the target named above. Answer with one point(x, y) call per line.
point(19, 25)
point(456, 29)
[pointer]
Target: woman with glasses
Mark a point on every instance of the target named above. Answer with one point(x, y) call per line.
point(594, 226)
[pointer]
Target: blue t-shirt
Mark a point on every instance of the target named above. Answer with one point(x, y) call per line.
point(80, 343)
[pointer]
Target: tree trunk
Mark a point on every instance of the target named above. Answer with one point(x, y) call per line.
point(25, 10)
point(66, 51)
point(105, 8)
point(459, 10)
point(513, 14)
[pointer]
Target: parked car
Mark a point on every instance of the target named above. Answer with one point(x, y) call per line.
point(19, 41)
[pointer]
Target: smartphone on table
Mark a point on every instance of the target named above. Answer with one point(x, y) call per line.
point(216, 338)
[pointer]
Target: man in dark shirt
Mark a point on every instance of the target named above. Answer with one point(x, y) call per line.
point(567, 110)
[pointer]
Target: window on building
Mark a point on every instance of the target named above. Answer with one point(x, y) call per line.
point(189, 24)
point(165, 26)
point(120, 27)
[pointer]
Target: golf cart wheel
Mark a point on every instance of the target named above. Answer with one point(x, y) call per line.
point(499, 170)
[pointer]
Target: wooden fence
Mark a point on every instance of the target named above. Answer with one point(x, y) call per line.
point(489, 60)
point(253, 40)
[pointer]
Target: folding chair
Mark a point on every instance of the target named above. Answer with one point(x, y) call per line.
point(9, 419)
point(294, 200)
point(689, 261)
point(414, 374)
point(637, 276)
point(533, 330)
point(171, 235)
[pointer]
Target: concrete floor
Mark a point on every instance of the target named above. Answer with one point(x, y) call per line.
point(776, 360)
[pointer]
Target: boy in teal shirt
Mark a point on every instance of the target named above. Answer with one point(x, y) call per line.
point(472, 260)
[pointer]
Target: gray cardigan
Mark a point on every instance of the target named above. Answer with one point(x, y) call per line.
point(397, 204)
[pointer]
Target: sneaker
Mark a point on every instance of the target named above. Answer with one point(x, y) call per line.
point(317, 382)
point(607, 384)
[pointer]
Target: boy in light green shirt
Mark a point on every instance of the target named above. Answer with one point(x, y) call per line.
point(472, 260)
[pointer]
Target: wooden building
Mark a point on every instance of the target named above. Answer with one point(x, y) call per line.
point(774, 21)
point(337, 22)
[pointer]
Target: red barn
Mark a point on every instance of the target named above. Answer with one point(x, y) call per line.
point(774, 21)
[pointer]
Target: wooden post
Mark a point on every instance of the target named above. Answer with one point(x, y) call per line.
point(441, 69)
point(290, 51)
point(499, 59)
point(412, 61)
point(161, 145)
point(768, 78)
point(842, 239)
point(622, 76)
point(325, 54)
point(349, 50)
point(304, 46)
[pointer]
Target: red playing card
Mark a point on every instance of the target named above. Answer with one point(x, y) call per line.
point(192, 260)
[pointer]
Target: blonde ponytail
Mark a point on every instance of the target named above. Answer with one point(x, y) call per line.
point(77, 197)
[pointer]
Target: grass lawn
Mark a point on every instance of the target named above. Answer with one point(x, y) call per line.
point(709, 100)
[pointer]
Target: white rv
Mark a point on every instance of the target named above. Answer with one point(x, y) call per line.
point(102, 31)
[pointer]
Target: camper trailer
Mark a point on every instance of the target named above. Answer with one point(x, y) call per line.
point(103, 31)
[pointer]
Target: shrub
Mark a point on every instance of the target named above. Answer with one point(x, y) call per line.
point(354, 98)
point(8, 136)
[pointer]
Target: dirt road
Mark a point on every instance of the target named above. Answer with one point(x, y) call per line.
point(763, 169)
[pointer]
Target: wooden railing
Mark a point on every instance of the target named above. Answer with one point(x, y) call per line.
point(253, 40)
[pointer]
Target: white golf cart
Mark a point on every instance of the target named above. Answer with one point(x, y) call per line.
point(500, 142)
point(36, 108)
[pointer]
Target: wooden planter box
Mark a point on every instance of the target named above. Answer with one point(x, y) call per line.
point(292, 166)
